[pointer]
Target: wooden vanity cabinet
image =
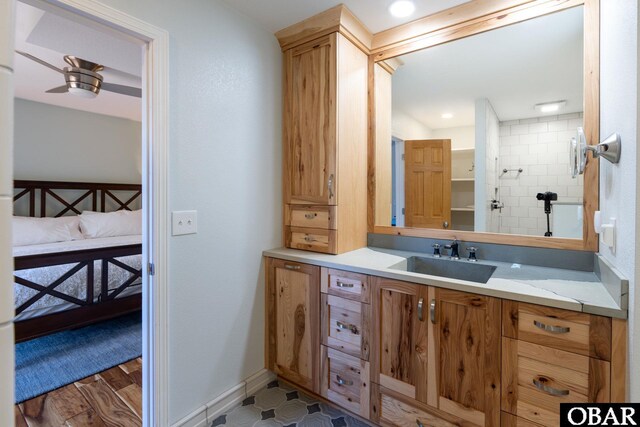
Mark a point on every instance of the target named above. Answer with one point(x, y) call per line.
point(325, 145)
point(406, 354)
point(293, 318)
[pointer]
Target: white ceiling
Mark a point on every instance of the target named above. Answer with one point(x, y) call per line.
point(49, 37)
point(515, 67)
point(275, 15)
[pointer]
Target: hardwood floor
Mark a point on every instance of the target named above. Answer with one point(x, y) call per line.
point(112, 398)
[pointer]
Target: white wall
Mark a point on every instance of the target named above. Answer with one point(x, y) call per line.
point(619, 183)
point(462, 137)
point(225, 161)
point(540, 146)
point(406, 127)
point(59, 144)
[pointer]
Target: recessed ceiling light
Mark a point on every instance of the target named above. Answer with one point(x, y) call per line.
point(550, 107)
point(447, 116)
point(402, 8)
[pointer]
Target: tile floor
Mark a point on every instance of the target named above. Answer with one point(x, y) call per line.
point(279, 405)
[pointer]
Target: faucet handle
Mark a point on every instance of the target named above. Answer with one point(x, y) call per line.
point(472, 253)
point(436, 250)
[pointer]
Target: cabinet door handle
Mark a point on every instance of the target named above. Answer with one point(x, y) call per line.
point(549, 390)
point(342, 381)
point(419, 424)
point(292, 267)
point(420, 309)
point(551, 328)
point(348, 327)
point(330, 186)
point(432, 311)
point(340, 284)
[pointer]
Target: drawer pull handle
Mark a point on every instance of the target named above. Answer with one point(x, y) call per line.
point(420, 309)
point(342, 381)
point(419, 424)
point(549, 390)
point(309, 239)
point(292, 267)
point(551, 328)
point(344, 285)
point(347, 327)
point(310, 215)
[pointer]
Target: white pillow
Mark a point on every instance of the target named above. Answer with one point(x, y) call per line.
point(110, 224)
point(35, 231)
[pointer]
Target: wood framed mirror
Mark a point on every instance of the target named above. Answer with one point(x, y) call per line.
point(472, 112)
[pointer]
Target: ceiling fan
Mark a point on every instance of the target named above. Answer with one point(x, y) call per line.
point(82, 78)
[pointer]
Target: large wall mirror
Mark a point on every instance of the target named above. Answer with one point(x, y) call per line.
point(474, 134)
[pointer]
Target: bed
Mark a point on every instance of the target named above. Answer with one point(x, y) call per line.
point(69, 284)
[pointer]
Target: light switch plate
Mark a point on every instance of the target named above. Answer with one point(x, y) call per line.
point(184, 222)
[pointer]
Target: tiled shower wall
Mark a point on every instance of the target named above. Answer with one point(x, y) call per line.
point(540, 146)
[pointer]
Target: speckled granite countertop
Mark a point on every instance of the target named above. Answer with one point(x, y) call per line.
point(553, 287)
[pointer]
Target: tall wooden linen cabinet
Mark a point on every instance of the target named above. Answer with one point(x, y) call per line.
point(325, 129)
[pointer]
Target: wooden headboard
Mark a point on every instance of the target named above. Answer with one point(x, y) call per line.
point(58, 198)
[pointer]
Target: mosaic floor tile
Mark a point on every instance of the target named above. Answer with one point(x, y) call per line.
point(279, 405)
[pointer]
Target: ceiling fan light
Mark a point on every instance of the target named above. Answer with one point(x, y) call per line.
point(82, 93)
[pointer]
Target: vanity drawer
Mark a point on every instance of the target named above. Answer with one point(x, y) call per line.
point(572, 331)
point(353, 286)
point(311, 239)
point(537, 379)
point(345, 381)
point(311, 216)
point(345, 325)
point(396, 413)
point(508, 420)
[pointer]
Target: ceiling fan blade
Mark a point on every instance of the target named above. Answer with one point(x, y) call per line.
point(59, 89)
point(121, 89)
point(39, 61)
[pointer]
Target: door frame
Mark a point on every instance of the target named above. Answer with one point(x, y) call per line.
point(155, 143)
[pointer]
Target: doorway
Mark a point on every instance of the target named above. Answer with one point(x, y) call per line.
point(154, 185)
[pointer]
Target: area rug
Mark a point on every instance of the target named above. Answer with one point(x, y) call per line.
point(53, 361)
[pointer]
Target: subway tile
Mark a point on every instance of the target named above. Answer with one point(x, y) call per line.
point(509, 140)
point(548, 137)
point(547, 181)
point(575, 123)
point(538, 170)
point(569, 116)
point(509, 123)
point(528, 223)
point(528, 121)
point(558, 125)
point(538, 148)
point(505, 131)
point(538, 127)
point(519, 129)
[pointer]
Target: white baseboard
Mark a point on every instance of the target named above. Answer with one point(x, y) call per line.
point(204, 415)
point(258, 380)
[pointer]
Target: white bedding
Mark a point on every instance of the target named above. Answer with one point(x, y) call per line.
point(76, 284)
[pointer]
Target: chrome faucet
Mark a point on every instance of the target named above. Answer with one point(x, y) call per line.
point(472, 253)
point(453, 246)
point(436, 250)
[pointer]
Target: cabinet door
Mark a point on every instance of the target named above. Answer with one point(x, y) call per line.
point(293, 321)
point(310, 123)
point(467, 336)
point(399, 355)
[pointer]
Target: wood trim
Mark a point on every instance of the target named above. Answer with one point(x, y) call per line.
point(474, 24)
point(591, 119)
point(619, 375)
point(473, 18)
point(473, 236)
point(337, 19)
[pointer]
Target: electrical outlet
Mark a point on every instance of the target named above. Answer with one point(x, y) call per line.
point(184, 222)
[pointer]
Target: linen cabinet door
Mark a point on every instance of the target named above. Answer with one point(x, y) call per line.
point(293, 321)
point(399, 355)
point(467, 339)
point(310, 123)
